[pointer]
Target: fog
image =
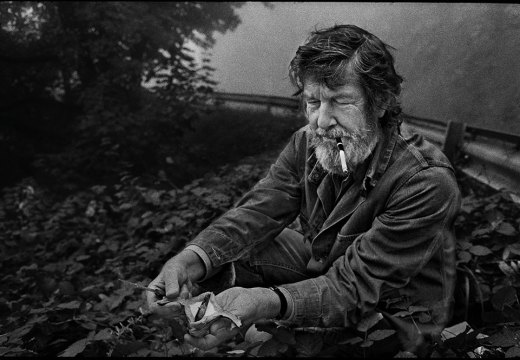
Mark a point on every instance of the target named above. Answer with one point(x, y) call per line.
point(460, 61)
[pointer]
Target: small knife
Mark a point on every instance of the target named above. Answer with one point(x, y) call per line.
point(203, 307)
point(158, 292)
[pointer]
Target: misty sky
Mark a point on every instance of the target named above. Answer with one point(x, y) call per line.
point(254, 58)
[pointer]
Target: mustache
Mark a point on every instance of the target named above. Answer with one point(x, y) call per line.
point(335, 133)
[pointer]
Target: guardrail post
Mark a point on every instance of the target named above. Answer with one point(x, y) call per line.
point(453, 137)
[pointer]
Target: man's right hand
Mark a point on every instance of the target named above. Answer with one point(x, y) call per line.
point(176, 278)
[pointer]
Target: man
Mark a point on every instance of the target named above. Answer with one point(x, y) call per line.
point(376, 234)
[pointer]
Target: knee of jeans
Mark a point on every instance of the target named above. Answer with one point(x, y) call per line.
point(247, 275)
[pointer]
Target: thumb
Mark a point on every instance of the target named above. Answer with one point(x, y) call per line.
point(185, 292)
point(172, 287)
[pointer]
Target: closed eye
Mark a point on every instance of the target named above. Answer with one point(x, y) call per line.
point(343, 102)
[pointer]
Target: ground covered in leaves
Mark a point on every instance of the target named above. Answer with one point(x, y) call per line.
point(62, 259)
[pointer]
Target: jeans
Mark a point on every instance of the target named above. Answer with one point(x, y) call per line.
point(284, 260)
point(388, 238)
point(281, 261)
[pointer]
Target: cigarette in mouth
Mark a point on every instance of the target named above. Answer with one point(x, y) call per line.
point(342, 154)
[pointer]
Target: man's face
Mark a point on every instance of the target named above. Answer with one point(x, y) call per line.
point(340, 112)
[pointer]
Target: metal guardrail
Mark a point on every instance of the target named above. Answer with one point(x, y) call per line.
point(269, 101)
point(490, 156)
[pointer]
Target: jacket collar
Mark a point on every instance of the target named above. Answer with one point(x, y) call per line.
point(382, 156)
point(377, 162)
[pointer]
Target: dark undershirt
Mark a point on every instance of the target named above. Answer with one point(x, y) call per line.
point(340, 185)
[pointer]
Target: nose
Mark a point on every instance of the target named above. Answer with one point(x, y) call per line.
point(326, 118)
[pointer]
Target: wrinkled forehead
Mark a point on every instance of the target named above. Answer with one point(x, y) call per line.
point(347, 88)
point(331, 81)
point(335, 74)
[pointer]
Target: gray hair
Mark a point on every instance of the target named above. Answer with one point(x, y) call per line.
point(330, 54)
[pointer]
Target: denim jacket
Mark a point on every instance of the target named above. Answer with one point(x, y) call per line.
point(386, 245)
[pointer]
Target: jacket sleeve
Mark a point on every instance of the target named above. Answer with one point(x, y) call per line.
point(261, 214)
point(417, 222)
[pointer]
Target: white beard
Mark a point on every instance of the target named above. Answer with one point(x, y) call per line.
point(357, 146)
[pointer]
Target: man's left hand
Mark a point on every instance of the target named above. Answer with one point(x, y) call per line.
point(249, 305)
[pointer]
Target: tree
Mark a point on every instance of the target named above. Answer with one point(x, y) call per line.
point(72, 75)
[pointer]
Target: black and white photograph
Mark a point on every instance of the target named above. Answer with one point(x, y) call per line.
point(259, 179)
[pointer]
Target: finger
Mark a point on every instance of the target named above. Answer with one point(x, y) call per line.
point(185, 292)
point(196, 290)
point(151, 297)
point(171, 310)
point(171, 287)
point(211, 340)
point(205, 343)
point(152, 302)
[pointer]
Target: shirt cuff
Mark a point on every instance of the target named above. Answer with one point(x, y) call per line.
point(306, 300)
point(205, 259)
point(290, 304)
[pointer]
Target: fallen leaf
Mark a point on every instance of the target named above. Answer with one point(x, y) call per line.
point(506, 228)
point(380, 334)
point(464, 245)
point(15, 337)
point(72, 305)
point(504, 296)
point(414, 309)
point(504, 338)
point(402, 313)
point(285, 335)
point(75, 349)
point(369, 321)
point(308, 345)
point(405, 354)
point(351, 341)
point(122, 349)
point(104, 334)
point(16, 351)
point(424, 318)
point(456, 330)
point(480, 232)
point(235, 352)
point(464, 256)
point(366, 343)
point(480, 250)
point(513, 352)
point(514, 248)
point(82, 257)
point(269, 348)
point(126, 206)
point(506, 269)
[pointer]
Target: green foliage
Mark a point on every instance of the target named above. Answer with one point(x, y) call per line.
point(63, 298)
point(72, 75)
point(488, 256)
point(225, 136)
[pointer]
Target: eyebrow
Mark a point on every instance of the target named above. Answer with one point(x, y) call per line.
point(348, 96)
